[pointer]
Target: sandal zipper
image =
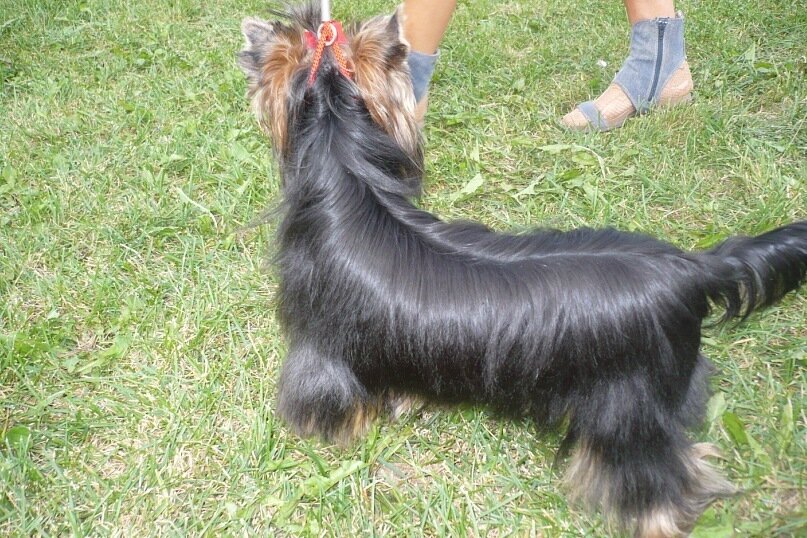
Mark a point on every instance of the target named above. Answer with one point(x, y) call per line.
point(662, 25)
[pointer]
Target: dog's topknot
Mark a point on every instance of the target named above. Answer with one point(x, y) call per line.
point(276, 58)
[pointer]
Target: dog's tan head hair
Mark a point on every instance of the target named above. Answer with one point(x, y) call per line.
point(276, 53)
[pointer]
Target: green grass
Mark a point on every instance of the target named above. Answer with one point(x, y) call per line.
point(138, 347)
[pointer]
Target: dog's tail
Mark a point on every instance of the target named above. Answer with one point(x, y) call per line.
point(756, 272)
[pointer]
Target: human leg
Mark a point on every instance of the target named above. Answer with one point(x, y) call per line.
point(425, 23)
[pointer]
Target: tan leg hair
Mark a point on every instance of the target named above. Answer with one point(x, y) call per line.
point(708, 485)
point(586, 479)
point(659, 523)
point(359, 423)
point(588, 482)
point(355, 425)
point(361, 418)
point(398, 404)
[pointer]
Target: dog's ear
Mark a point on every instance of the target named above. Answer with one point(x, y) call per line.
point(259, 35)
point(380, 55)
point(394, 27)
point(273, 54)
point(399, 46)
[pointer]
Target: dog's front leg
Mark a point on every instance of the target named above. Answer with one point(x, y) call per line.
point(320, 396)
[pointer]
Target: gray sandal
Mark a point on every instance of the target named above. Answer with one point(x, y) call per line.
point(655, 73)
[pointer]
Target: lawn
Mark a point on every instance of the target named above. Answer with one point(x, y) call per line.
point(138, 346)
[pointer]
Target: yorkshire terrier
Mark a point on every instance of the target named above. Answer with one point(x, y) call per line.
point(595, 330)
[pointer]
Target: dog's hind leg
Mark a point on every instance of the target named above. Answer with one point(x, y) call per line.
point(319, 396)
point(634, 462)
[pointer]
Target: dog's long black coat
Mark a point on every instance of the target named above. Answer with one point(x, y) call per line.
point(599, 327)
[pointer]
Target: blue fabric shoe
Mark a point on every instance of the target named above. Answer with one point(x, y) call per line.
point(655, 73)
